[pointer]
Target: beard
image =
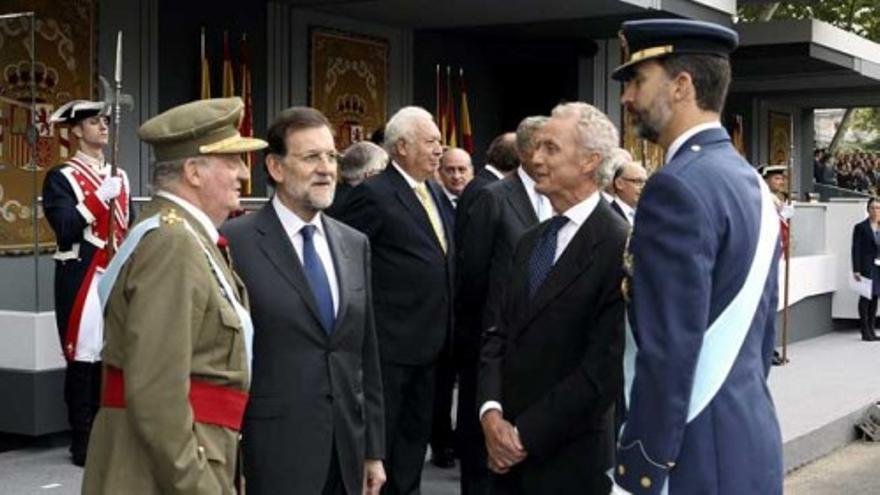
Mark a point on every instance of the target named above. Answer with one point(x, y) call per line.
point(650, 121)
point(320, 202)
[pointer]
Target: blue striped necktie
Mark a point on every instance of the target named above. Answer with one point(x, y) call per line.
point(317, 278)
point(541, 261)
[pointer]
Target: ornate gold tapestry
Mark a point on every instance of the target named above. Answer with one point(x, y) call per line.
point(65, 57)
point(780, 138)
point(648, 153)
point(348, 81)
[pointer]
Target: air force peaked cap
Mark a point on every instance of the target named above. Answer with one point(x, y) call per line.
point(654, 38)
point(201, 127)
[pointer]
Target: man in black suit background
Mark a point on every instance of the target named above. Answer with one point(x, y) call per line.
point(456, 171)
point(502, 159)
point(500, 213)
point(316, 385)
point(359, 161)
point(453, 175)
point(549, 421)
point(412, 250)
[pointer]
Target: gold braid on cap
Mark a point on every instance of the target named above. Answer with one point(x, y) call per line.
point(654, 51)
point(219, 145)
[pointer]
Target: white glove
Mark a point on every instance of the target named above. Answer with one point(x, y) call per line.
point(787, 211)
point(109, 189)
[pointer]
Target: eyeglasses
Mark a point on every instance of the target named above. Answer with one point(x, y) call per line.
point(638, 182)
point(318, 157)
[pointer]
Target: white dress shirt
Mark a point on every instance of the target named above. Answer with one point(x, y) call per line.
point(680, 140)
point(451, 197)
point(577, 215)
point(494, 171)
point(293, 225)
point(540, 203)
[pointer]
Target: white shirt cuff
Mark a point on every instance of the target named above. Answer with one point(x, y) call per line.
point(488, 406)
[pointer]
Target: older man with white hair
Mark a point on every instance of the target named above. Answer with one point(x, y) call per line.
point(549, 422)
point(412, 246)
point(629, 180)
point(359, 161)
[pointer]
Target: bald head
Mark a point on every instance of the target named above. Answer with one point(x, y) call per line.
point(629, 180)
point(456, 170)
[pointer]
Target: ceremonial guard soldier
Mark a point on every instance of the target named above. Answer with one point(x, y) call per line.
point(703, 292)
point(76, 200)
point(178, 334)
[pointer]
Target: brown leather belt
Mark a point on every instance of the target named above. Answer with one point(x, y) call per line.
point(211, 404)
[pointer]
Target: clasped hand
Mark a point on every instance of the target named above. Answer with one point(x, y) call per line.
point(503, 444)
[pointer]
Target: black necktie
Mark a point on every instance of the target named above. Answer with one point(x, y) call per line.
point(317, 278)
point(541, 261)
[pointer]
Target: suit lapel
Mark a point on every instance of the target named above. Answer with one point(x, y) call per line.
point(440, 200)
point(342, 265)
point(577, 257)
point(408, 197)
point(279, 250)
point(520, 202)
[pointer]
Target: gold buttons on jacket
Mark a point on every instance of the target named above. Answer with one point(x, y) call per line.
point(621, 470)
point(645, 482)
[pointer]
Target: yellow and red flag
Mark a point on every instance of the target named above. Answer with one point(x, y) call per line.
point(206, 72)
point(467, 137)
point(441, 106)
point(228, 78)
point(246, 128)
point(450, 111)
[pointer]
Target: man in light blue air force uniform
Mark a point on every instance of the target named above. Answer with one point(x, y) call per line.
point(703, 287)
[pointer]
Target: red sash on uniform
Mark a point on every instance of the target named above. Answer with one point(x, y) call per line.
point(211, 404)
point(85, 182)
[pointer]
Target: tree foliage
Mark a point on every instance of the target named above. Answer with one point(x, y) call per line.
point(861, 17)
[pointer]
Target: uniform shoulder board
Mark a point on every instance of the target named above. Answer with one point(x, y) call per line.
point(170, 217)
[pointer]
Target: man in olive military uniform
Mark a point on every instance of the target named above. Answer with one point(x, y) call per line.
point(177, 351)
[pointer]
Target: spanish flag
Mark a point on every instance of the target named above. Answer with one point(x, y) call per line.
point(467, 137)
point(206, 72)
point(451, 141)
point(228, 78)
point(247, 121)
point(441, 105)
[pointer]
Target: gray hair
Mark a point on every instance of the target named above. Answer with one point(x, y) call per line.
point(525, 132)
point(595, 133)
point(619, 158)
point(361, 158)
point(402, 126)
point(166, 173)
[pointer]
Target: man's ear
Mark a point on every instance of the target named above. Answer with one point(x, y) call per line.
point(274, 167)
point(77, 131)
point(192, 172)
point(400, 147)
point(590, 162)
point(684, 86)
